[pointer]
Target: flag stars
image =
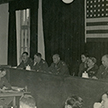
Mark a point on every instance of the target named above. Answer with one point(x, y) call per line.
point(99, 5)
point(102, 9)
point(91, 11)
point(94, 5)
point(94, 10)
point(97, 8)
point(90, 15)
point(106, 14)
point(88, 2)
point(102, 4)
point(102, 14)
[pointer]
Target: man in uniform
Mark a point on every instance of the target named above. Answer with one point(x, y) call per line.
point(103, 69)
point(39, 64)
point(4, 85)
point(58, 66)
point(26, 61)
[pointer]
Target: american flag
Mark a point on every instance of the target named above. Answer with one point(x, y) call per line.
point(96, 18)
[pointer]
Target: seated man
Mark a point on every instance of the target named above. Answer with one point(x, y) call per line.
point(103, 69)
point(58, 67)
point(27, 101)
point(104, 102)
point(92, 67)
point(26, 61)
point(4, 84)
point(39, 64)
point(83, 65)
point(74, 102)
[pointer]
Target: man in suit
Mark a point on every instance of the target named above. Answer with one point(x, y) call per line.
point(103, 69)
point(58, 66)
point(26, 61)
point(39, 64)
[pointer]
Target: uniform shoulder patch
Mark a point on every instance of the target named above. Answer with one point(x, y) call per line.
point(63, 63)
point(43, 61)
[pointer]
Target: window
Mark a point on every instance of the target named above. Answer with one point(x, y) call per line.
point(25, 31)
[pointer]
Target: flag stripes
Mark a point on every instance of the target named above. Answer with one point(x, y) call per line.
point(96, 19)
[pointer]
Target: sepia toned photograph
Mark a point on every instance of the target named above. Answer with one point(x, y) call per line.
point(53, 53)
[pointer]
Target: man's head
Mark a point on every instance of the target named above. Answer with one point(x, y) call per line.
point(74, 102)
point(91, 61)
point(27, 101)
point(84, 57)
point(24, 56)
point(56, 58)
point(2, 72)
point(37, 57)
point(105, 60)
point(105, 100)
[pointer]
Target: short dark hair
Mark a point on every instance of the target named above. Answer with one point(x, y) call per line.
point(2, 69)
point(74, 101)
point(56, 55)
point(85, 54)
point(28, 100)
point(25, 53)
point(93, 59)
point(38, 54)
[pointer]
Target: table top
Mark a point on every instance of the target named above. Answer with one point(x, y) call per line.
point(9, 93)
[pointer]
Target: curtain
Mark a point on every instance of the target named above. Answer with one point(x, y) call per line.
point(20, 5)
point(41, 45)
point(97, 47)
point(12, 46)
point(18, 28)
point(63, 26)
point(33, 28)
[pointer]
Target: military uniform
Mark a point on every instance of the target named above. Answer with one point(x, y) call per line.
point(60, 68)
point(82, 68)
point(4, 82)
point(5, 101)
point(42, 66)
point(102, 73)
point(23, 64)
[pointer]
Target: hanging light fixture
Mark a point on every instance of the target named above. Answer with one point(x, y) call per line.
point(67, 1)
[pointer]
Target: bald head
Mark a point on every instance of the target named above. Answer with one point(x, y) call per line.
point(27, 101)
point(105, 60)
point(56, 58)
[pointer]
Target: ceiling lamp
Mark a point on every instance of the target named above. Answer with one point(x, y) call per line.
point(67, 1)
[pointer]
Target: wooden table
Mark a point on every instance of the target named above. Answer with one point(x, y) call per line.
point(10, 97)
